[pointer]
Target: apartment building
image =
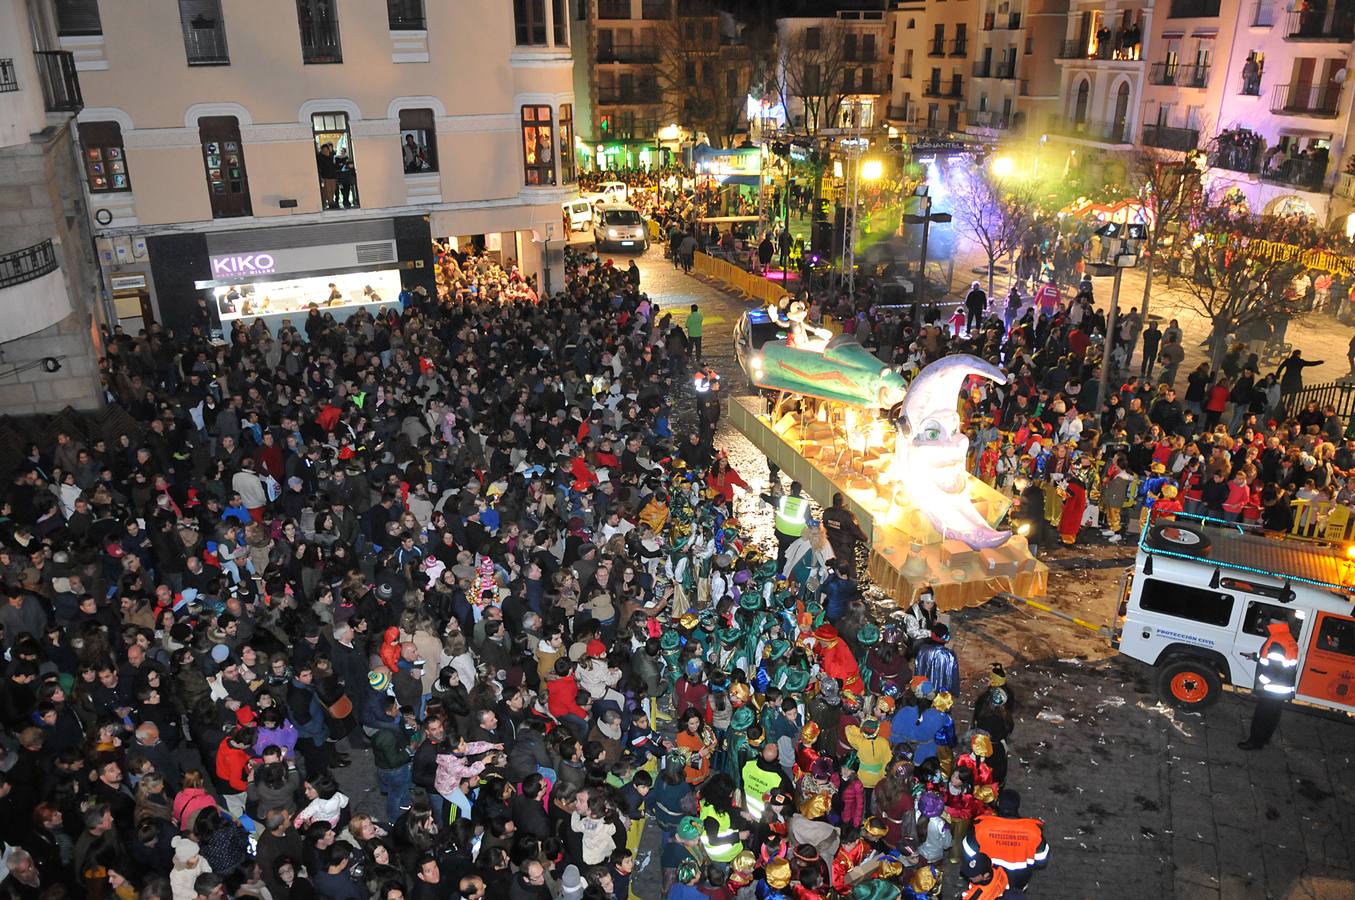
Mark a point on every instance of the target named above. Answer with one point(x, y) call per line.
point(256, 155)
point(1103, 62)
point(1282, 130)
point(49, 337)
point(907, 49)
point(1015, 78)
point(836, 69)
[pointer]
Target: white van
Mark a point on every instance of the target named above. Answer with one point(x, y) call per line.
point(621, 227)
point(578, 214)
point(613, 192)
point(1198, 601)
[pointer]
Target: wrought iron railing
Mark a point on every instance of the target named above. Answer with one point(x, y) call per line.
point(60, 83)
point(27, 264)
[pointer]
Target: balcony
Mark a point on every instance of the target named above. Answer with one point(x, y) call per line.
point(1298, 172)
point(1167, 138)
point(1319, 101)
point(938, 48)
point(628, 55)
point(988, 118)
point(60, 84)
point(1193, 9)
point(1005, 69)
point(1238, 157)
point(1107, 48)
point(633, 97)
point(933, 89)
point(28, 264)
point(1008, 23)
point(900, 113)
point(956, 88)
point(1101, 132)
point(9, 81)
point(983, 69)
point(1177, 75)
point(959, 47)
point(1345, 186)
point(1336, 25)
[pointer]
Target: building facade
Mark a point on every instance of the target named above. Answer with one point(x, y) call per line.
point(834, 72)
point(261, 155)
point(49, 335)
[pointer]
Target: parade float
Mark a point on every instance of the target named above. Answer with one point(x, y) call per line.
point(838, 420)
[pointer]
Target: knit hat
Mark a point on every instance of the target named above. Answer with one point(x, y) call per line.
point(596, 649)
point(379, 681)
point(184, 849)
point(571, 884)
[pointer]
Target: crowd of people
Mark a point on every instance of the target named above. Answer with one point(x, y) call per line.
point(460, 544)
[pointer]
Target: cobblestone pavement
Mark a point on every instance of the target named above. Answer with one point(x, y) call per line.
point(1138, 801)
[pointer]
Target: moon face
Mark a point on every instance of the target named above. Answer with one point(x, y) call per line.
point(934, 450)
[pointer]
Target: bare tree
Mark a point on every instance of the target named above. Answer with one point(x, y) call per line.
point(1231, 278)
point(1170, 189)
point(702, 80)
point(812, 69)
point(995, 217)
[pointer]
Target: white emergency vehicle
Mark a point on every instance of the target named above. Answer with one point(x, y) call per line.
point(1198, 601)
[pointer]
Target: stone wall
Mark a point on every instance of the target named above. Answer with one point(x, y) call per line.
point(41, 198)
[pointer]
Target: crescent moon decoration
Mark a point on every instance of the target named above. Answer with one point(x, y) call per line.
point(934, 449)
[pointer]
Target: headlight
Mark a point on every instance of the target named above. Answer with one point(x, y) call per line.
point(613, 233)
point(755, 360)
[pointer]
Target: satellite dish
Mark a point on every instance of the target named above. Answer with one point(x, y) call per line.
point(1340, 76)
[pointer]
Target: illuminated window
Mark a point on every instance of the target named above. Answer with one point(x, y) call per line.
point(538, 143)
point(567, 143)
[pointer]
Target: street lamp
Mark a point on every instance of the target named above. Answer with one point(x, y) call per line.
point(925, 220)
point(1003, 166)
point(1120, 251)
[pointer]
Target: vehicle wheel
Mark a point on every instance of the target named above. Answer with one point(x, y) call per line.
point(1189, 684)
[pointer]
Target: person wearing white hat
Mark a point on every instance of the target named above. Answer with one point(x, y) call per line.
point(188, 865)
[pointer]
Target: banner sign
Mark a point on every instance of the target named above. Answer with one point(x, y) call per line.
point(1277, 251)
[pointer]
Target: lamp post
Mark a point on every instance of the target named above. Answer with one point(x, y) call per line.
point(925, 220)
point(1118, 254)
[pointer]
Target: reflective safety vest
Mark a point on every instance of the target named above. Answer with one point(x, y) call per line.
point(993, 890)
point(757, 783)
point(790, 515)
point(726, 844)
point(1277, 665)
point(1013, 844)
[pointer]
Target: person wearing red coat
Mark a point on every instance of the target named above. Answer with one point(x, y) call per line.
point(723, 478)
point(849, 855)
point(1074, 505)
point(836, 658)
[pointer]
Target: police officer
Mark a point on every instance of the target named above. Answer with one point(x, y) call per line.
point(707, 384)
point(792, 513)
point(1277, 667)
point(843, 531)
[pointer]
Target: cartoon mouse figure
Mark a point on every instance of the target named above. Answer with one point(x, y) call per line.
point(803, 336)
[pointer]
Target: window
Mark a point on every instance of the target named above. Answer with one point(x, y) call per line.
point(223, 159)
point(78, 17)
point(813, 38)
point(732, 82)
point(529, 20)
point(204, 32)
point(567, 175)
point(319, 21)
point(105, 160)
point(1336, 635)
point(1260, 615)
point(418, 140)
point(538, 157)
point(560, 17)
point(405, 15)
point(1181, 602)
point(908, 63)
point(334, 160)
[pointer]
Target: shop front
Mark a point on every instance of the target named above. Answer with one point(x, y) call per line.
point(277, 274)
